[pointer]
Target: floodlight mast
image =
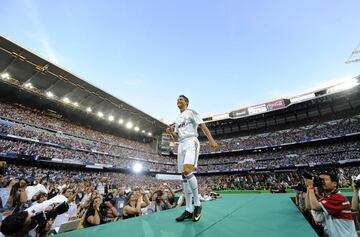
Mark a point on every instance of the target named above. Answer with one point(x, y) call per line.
point(354, 56)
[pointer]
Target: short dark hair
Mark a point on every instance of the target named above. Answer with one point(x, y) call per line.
point(333, 176)
point(186, 99)
point(14, 223)
point(66, 189)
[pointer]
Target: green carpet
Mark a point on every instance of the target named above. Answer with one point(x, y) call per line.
point(233, 215)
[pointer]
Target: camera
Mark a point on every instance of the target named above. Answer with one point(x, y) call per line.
point(39, 219)
point(103, 208)
point(357, 183)
point(317, 181)
point(108, 197)
point(214, 195)
point(300, 187)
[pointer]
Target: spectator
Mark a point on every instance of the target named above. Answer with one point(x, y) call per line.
point(93, 215)
point(133, 204)
point(335, 207)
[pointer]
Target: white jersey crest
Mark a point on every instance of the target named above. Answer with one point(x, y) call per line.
point(187, 123)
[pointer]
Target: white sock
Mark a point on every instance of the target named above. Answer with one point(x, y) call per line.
point(188, 196)
point(192, 182)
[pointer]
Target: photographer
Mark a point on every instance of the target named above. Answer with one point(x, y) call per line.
point(35, 220)
point(132, 206)
point(93, 215)
point(159, 202)
point(70, 194)
point(108, 209)
point(300, 191)
point(168, 195)
point(334, 206)
point(355, 198)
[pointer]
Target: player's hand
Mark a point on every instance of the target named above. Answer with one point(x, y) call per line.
point(169, 130)
point(214, 146)
point(353, 184)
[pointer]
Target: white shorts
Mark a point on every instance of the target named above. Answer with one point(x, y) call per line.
point(188, 152)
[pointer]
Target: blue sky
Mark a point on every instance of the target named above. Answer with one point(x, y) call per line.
point(223, 55)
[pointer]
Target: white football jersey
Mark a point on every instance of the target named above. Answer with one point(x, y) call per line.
point(187, 123)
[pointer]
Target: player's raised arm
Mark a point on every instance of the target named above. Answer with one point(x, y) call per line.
point(214, 146)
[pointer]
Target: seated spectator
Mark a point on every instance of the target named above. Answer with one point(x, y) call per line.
point(278, 188)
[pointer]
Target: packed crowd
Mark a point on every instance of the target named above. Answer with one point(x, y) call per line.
point(322, 154)
point(267, 180)
point(325, 154)
point(55, 144)
point(116, 196)
point(328, 154)
point(64, 155)
point(113, 145)
point(328, 129)
point(61, 140)
point(93, 198)
point(62, 126)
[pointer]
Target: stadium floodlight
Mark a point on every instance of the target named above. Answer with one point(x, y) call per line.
point(137, 167)
point(129, 125)
point(143, 131)
point(100, 114)
point(121, 121)
point(149, 134)
point(111, 118)
point(76, 104)
point(66, 100)
point(28, 85)
point(89, 109)
point(5, 75)
point(344, 86)
point(136, 128)
point(49, 94)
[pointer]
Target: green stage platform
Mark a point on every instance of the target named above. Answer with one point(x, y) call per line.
point(233, 215)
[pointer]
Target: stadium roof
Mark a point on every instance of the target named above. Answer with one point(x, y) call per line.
point(28, 72)
point(323, 102)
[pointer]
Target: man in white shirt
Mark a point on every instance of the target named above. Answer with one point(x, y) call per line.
point(70, 214)
point(21, 224)
point(185, 131)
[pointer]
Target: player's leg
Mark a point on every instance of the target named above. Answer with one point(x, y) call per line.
point(190, 161)
point(187, 214)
